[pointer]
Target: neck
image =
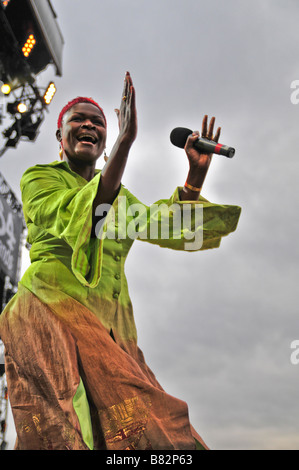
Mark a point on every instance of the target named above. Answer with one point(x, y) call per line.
point(84, 169)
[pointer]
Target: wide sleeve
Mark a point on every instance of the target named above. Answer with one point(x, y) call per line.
point(65, 212)
point(184, 225)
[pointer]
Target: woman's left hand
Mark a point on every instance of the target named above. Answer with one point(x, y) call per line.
point(197, 160)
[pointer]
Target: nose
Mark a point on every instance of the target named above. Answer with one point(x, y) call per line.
point(88, 123)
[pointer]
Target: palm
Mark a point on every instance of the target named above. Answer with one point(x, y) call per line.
point(127, 115)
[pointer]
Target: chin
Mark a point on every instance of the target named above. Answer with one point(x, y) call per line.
point(83, 158)
point(87, 155)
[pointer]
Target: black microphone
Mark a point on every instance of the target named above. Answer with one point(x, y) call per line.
point(179, 135)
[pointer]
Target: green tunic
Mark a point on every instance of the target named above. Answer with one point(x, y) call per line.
point(71, 323)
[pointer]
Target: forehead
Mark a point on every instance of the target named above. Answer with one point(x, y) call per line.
point(86, 109)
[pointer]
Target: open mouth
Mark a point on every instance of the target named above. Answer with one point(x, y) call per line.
point(87, 139)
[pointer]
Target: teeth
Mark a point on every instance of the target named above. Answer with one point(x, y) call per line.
point(87, 137)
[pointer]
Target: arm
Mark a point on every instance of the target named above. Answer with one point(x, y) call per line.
point(113, 170)
point(198, 162)
point(179, 225)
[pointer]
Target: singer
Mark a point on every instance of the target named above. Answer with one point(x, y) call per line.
point(76, 376)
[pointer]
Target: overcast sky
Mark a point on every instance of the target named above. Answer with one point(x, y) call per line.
point(218, 333)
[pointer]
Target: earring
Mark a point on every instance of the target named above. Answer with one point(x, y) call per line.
point(61, 153)
point(105, 156)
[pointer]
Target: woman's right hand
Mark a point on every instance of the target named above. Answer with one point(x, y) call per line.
point(127, 114)
point(115, 165)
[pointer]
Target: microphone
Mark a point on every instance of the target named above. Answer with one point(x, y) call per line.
point(179, 135)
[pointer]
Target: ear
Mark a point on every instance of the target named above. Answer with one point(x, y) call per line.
point(58, 135)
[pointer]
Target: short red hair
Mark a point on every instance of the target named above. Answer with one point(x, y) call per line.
point(72, 103)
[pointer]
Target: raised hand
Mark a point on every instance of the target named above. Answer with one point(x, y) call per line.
point(127, 114)
point(115, 165)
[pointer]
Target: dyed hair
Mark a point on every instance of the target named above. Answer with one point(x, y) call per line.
point(72, 103)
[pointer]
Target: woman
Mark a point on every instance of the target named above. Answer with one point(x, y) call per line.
point(76, 377)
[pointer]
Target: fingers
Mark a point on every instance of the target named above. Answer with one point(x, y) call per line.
point(127, 118)
point(125, 99)
point(127, 89)
point(207, 131)
point(204, 126)
point(211, 129)
point(127, 106)
point(132, 97)
point(217, 136)
point(191, 139)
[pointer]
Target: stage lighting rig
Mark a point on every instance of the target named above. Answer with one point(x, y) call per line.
point(30, 40)
point(50, 92)
point(28, 111)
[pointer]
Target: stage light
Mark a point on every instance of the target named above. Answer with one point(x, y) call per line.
point(29, 44)
point(34, 28)
point(50, 92)
point(22, 108)
point(5, 88)
point(16, 107)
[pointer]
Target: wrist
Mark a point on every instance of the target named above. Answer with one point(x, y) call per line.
point(195, 180)
point(187, 194)
point(120, 150)
point(124, 143)
point(190, 187)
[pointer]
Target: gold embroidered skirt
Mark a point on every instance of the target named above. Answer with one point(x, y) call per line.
point(72, 386)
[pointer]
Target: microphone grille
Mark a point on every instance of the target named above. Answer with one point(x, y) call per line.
point(179, 135)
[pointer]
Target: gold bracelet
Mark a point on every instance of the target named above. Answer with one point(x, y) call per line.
point(193, 188)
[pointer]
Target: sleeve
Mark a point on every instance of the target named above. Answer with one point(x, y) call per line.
point(66, 213)
point(184, 225)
